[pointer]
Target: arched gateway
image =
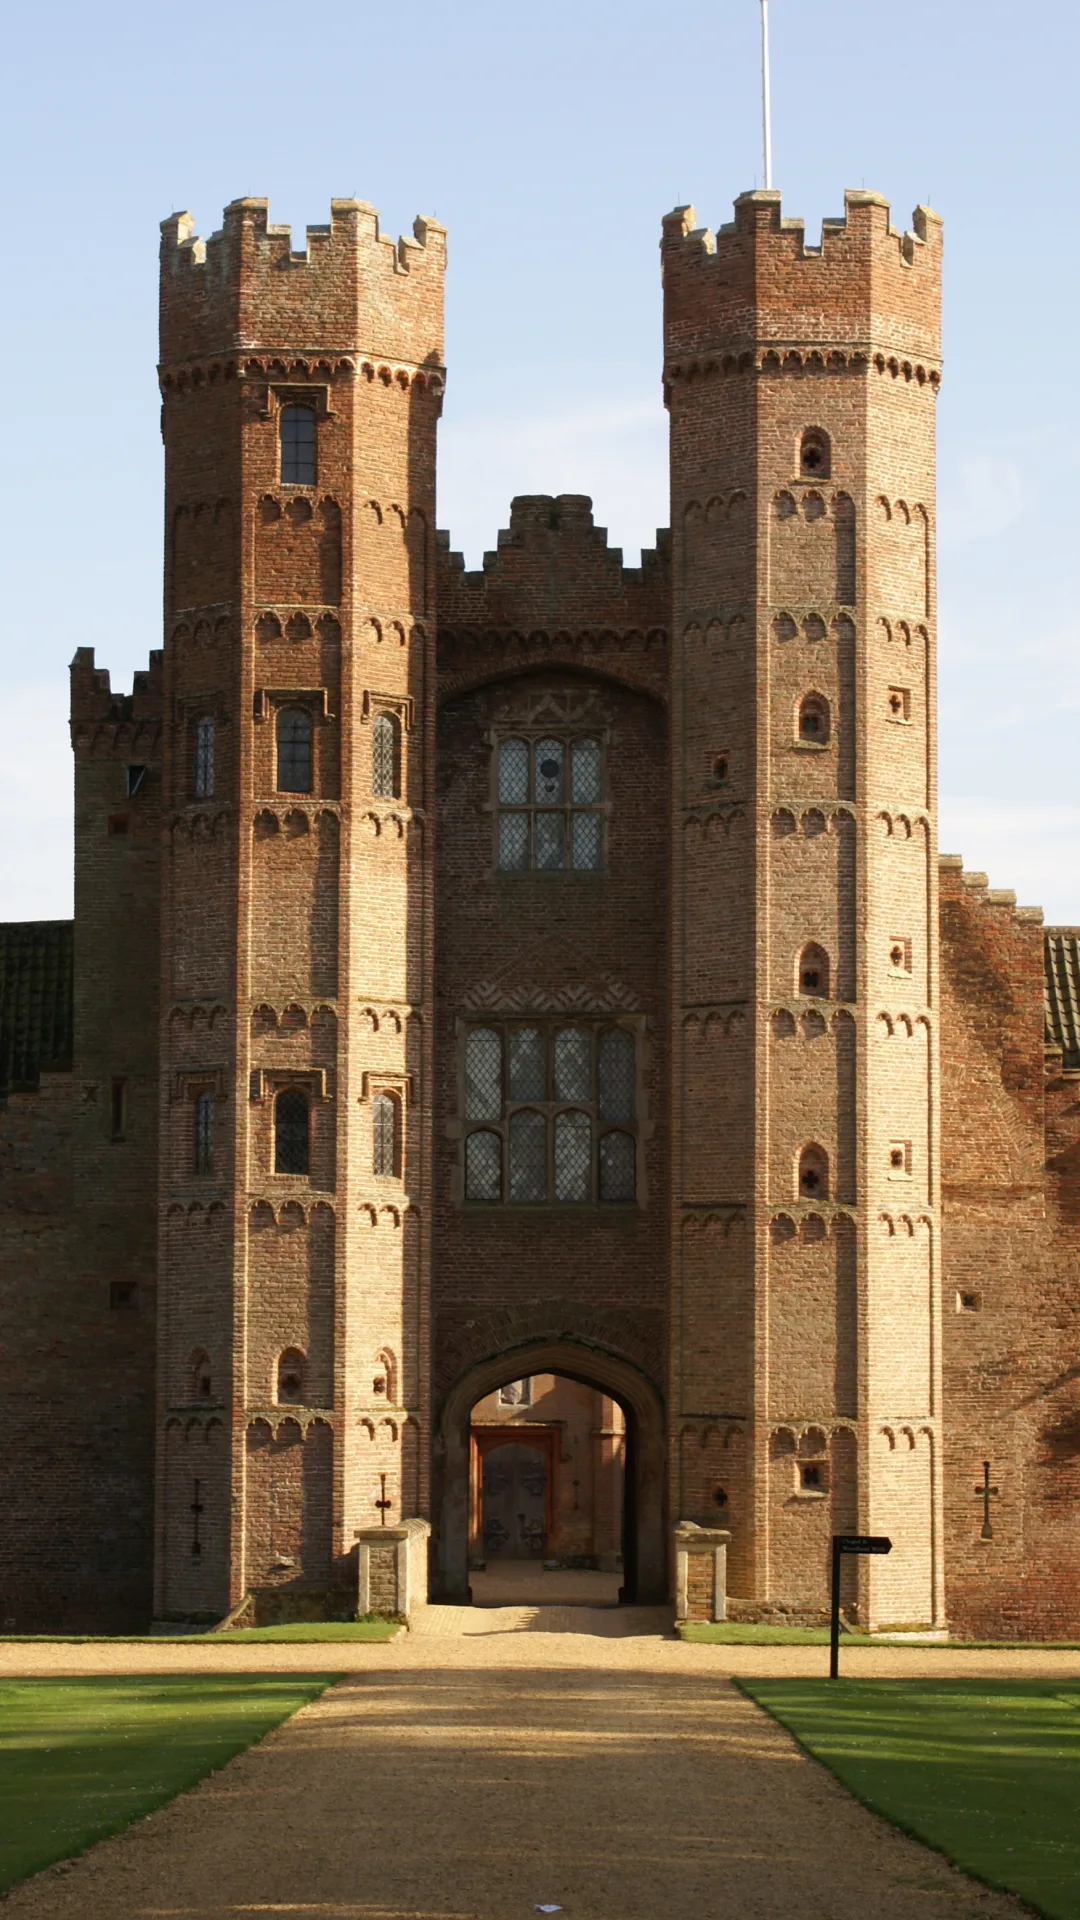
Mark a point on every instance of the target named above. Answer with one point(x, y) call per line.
point(644, 1557)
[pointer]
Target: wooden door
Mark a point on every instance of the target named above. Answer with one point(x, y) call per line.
point(515, 1502)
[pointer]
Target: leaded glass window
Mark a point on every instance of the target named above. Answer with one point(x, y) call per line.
point(292, 1143)
point(617, 1072)
point(294, 750)
point(550, 804)
point(204, 758)
point(545, 1094)
point(385, 757)
point(528, 1155)
point(384, 1134)
point(483, 1167)
point(483, 1075)
point(204, 1133)
point(298, 446)
point(573, 1156)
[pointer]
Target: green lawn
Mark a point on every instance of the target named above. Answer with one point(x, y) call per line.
point(986, 1771)
point(79, 1759)
point(739, 1633)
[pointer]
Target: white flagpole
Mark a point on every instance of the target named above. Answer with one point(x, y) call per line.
point(766, 101)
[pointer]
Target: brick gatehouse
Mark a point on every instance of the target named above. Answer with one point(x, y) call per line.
point(546, 971)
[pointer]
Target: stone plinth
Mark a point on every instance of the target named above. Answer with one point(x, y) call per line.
point(392, 1569)
point(700, 1572)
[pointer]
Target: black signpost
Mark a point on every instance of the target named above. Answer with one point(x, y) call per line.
point(843, 1543)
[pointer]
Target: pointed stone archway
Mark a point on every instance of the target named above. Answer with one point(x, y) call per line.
point(645, 1556)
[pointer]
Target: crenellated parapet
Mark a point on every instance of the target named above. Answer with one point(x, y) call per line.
point(866, 288)
point(351, 290)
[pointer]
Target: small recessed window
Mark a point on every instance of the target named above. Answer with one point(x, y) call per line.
point(900, 954)
point(814, 720)
point(815, 454)
point(294, 750)
point(118, 824)
point(135, 778)
point(813, 972)
point(204, 758)
point(813, 1479)
point(298, 446)
point(721, 769)
point(720, 1498)
point(291, 1371)
point(118, 1109)
point(899, 704)
point(123, 1296)
point(968, 1302)
point(814, 1174)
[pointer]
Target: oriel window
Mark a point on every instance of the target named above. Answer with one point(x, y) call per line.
point(298, 446)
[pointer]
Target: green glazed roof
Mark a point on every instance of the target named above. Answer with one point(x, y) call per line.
point(35, 1001)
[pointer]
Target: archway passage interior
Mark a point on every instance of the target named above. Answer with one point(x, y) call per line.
point(547, 1493)
point(602, 1373)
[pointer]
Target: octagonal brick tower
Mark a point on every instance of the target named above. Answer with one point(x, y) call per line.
point(300, 394)
point(801, 384)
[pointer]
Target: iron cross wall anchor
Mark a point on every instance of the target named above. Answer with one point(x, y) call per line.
point(384, 1505)
point(986, 1493)
point(197, 1508)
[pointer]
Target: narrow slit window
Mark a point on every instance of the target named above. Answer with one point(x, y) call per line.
point(384, 1136)
point(294, 750)
point(292, 1132)
point(204, 1133)
point(204, 758)
point(291, 1377)
point(297, 446)
point(385, 757)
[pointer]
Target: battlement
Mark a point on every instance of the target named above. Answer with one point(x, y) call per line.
point(977, 887)
point(93, 700)
point(353, 289)
point(864, 286)
point(551, 550)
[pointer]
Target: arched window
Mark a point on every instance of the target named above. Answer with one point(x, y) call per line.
point(814, 720)
point(298, 446)
point(384, 1136)
point(618, 1166)
point(292, 1132)
point(204, 758)
point(815, 454)
point(385, 756)
point(573, 1156)
point(201, 1383)
point(204, 1133)
point(483, 1167)
point(294, 750)
point(291, 1377)
point(528, 1156)
point(812, 973)
point(813, 1174)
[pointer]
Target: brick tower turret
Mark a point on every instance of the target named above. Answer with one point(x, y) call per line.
point(301, 393)
point(801, 384)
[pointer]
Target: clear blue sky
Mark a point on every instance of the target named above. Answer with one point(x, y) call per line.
point(550, 141)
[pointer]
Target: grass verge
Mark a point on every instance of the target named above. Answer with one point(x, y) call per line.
point(738, 1633)
point(311, 1630)
point(985, 1771)
point(79, 1759)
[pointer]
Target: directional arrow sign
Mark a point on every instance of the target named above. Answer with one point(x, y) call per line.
point(847, 1543)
